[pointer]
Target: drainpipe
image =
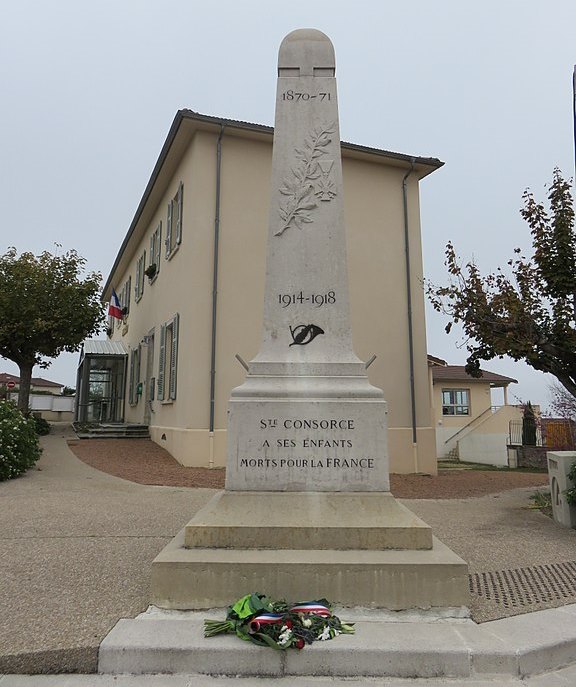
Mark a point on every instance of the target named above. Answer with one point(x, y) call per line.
point(409, 312)
point(215, 294)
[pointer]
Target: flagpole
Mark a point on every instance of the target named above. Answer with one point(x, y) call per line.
point(574, 113)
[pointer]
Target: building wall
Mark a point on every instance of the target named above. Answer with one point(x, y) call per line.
point(488, 443)
point(375, 230)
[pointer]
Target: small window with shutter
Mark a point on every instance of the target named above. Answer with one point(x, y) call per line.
point(155, 253)
point(140, 270)
point(174, 222)
point(168, 360)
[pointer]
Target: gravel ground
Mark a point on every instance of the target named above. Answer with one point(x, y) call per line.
point(144, 462)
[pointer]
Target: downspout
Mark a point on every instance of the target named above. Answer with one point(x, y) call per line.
point(215, 295)
point(409, 313)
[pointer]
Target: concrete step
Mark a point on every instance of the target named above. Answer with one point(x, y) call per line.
point(113, 431)
point(564, 678)
point(453, 649)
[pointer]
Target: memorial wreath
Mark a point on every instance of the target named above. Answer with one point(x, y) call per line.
point(279, 624)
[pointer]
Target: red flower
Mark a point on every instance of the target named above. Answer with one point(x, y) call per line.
point(288, 624)
point(300, 643)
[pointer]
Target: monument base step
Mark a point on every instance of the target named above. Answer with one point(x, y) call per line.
point(307, 520)
point(171, 642)
point(184, 578)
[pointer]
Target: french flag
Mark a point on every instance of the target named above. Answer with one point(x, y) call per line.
point(114, 309)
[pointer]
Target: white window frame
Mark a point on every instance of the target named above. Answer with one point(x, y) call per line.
point(174, 223)
point(168, 360)
point(455, 402)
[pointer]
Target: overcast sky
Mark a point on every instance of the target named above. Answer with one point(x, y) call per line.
point(89, 90)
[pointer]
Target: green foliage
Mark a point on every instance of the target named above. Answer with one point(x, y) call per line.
point(41, 426)
point(19, 449)
point(530, 316)
point(571, 493)
point(46, 309)
point(542, 502)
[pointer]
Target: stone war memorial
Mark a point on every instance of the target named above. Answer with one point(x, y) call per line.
point(307, 510)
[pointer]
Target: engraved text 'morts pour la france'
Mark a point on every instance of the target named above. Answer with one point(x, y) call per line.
point(306, 418)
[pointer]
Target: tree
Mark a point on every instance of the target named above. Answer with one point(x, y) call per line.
point(45, 309)
point(530, 316)
point(562, 404)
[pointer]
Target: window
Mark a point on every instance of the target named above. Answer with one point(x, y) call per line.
point(134, 379)
point(155, 252)
point(140, 267)
point(168, 363)
point(174, 223)
point(124, 297)
point(455, 401)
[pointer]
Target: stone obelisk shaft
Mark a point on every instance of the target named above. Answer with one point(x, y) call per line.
point(306, 418)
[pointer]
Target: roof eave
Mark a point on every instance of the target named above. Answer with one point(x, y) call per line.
point(422, 165)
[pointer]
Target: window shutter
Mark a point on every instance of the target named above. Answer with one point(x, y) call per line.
point(174, 358)
point(128, 293)
point(131, 379)
point(180, 207)
point(158, 253)
point(169, 230)
point(142, 270)
point(162, 362)
point(138, 272)
point(137, 373)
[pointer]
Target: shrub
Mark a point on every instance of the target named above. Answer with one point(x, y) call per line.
point(41, 426)
point(19, 448)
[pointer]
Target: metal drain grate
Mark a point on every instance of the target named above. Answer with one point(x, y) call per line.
point(526, 586)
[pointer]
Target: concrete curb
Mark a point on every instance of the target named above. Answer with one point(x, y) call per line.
point(510, 648)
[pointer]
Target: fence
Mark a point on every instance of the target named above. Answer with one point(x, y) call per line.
point(558, 434)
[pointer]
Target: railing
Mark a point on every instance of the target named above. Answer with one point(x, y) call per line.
point(491, 410)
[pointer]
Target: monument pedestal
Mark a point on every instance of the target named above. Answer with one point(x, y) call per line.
point(361, 549)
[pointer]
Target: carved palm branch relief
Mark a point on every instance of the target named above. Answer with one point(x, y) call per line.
point(309, 181)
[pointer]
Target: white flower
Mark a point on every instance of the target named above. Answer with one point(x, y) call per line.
point(325, 634)
point(307, 622)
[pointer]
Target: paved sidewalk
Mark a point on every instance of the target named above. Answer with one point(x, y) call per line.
point(565, 677)
point(77, 545)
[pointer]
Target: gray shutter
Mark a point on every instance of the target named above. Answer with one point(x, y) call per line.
point(128, 293)
point(142, 275)
point(158, 253)
point(161, 363)
point(174, 358)
point(137, 285)
point(131, 379)
point(137, 373)
point(180, 207)
point(169, 230)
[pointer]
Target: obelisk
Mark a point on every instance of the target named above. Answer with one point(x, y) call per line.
point(306, 418)
point(307, 511)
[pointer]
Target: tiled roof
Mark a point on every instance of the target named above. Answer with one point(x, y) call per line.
point(35, 381)
point(457, 373)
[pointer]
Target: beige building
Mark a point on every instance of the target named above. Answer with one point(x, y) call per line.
point(471, 424)
point(190, 276)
